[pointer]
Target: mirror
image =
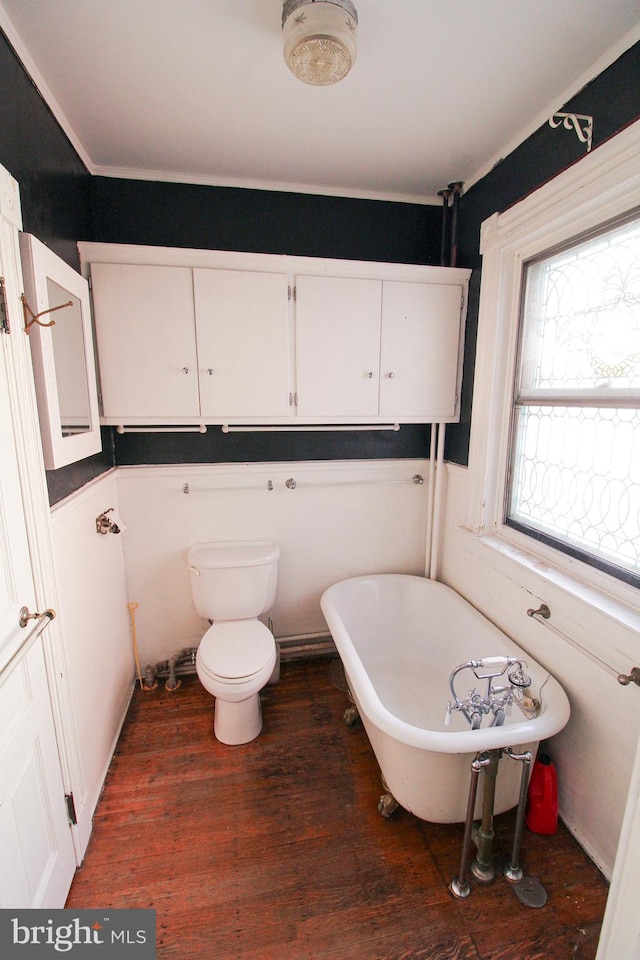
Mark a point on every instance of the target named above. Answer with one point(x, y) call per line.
point(62, 352)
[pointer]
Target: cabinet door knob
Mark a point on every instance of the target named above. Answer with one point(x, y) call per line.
point(370, 375)
point(185, 370)
point(391, 375)
point(210, 371)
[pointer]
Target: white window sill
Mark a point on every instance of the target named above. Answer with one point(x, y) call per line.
point(599, 615)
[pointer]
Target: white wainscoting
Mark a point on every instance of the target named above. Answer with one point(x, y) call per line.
point(594, 753)
point(94, 620)
point(343, 519)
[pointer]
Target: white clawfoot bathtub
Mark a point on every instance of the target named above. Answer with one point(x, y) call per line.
point(399, 638)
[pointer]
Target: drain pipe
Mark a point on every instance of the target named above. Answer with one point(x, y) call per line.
point(482, 867)
point(445, 194)
point(456, 189)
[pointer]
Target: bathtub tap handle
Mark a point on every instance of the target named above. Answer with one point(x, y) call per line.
point(488, 663)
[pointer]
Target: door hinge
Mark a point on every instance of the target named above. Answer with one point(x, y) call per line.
point(71, 809)
point(5, 326)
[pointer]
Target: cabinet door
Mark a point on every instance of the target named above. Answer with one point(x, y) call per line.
point(419, 353)
point(242, 324)
point(337, 346)
point(146, 341)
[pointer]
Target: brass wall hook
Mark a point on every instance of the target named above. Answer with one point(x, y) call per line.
point(28, 312)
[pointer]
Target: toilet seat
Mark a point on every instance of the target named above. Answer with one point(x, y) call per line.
point(234, 651)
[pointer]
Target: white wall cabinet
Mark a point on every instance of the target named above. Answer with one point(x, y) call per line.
point(201, 344)
point(420, 350)
point(337, 346)
point(242, 332)
point(383, 349)
point(188, 336)
point(146, 341)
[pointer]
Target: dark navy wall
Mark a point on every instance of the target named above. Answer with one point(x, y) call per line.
point(613, 100)
point(264, 221)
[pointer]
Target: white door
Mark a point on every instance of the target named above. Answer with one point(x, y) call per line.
point(419, 352)
point(38, 859)
point(337, 346)
point(146, 342)
point(620, 935)
point(242, 324)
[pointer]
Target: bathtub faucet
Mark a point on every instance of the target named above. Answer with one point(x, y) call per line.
point(496, 698)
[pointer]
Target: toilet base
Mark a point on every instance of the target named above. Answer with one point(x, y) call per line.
point(237, 722)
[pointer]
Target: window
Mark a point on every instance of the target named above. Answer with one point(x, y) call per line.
point(553, 485)
point(574, 477)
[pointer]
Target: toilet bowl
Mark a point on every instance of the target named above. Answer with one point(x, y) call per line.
point(234, 582)
point(235, 660)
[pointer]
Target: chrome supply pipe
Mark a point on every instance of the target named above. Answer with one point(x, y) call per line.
point(513, 871)
point(459, 886)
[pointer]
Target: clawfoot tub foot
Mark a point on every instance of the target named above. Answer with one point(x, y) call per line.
point(387, 805)
point(351, 716)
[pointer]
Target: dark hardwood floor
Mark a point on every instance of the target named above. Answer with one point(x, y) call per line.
point(275, 850)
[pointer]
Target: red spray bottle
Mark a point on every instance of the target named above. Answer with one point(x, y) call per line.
point(542, 798)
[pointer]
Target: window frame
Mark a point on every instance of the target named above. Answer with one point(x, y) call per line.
point(572, 398)
point(604, 186)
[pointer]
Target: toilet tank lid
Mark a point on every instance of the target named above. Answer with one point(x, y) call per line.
point(233, 553)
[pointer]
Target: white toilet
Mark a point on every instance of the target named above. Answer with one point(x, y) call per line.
point(233, 583)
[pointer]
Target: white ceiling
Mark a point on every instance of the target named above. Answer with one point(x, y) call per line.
point(197, 90)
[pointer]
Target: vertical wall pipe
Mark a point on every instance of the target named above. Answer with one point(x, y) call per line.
point(430, 493)
point(445, 194)
point(456, 189)
point(437, 505)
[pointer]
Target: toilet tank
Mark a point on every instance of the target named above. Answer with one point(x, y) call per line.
point(233, 579)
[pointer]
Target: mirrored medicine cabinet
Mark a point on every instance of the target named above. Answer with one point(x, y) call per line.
point(58, 323)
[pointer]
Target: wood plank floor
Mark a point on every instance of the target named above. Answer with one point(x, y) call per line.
point(275, 850)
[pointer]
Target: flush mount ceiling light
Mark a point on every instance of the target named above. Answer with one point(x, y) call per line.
point(319, 38)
